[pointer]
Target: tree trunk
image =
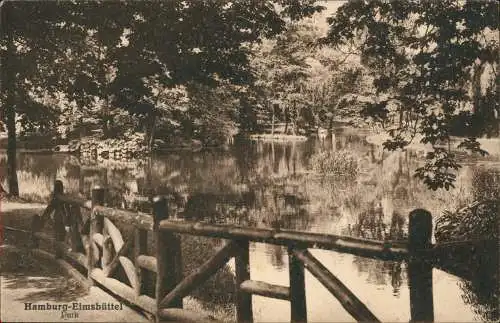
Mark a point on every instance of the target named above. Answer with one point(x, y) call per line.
point(476, 88)
point(105, 124)
point(286, 120)
point(11, 151)
point(150, 130)
point(152, 135)
point(148, 180)
point(316, 120)
point(9, 107)
point(272, 120)
point(295, 122)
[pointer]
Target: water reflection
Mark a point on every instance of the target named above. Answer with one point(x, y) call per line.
point(270, 185)
point(391, 273)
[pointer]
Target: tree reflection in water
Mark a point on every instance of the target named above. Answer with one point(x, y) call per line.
point(382, 272)
point(370, 224)
point(263, 184)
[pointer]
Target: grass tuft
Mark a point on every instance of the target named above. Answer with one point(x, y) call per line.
point(340, 163)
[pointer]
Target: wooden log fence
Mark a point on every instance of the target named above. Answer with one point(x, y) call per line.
point(297, 288)
point(168, 253)
point(100, 251)
point(347, 299)
point(242, 273)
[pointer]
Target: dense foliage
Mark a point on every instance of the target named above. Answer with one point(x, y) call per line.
point(434, 67)
point(99, 56)
point(190, 73)
point(93, 59)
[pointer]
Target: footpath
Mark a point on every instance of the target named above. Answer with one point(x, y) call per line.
point(38, 290)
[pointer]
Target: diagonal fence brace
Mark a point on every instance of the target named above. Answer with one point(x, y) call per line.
point(201, 274)
point(347, 299)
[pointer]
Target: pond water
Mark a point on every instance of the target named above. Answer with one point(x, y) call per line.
point(264, 184)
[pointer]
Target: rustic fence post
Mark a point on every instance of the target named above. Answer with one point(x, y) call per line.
point(419, 230)
point(59, 230)
point(420, 270)
point(244, 312)
point(297, 288)
point(168, 256)
point(97, 197)
point(140, 248)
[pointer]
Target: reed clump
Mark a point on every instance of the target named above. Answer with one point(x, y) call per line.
point(340, 163)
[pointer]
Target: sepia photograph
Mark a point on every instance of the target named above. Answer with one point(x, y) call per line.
point(249, 161)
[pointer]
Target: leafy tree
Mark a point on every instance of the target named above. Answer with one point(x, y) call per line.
point(28, 53)
point(204, 42)
point(282, 71)
point(97, 53)
point(8, 97)
point(334, 92)
point(426, 58)
point(314, 84)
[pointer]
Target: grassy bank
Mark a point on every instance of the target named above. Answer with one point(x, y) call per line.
point(36, 188)
point(17, 214)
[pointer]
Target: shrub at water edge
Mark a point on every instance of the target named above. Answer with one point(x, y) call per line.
point(339, 163)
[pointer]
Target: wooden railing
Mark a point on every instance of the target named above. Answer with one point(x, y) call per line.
point(95, 245)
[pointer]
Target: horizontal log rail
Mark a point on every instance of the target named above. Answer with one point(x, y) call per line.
point(449, 245)
point(44, 236)
point(361, 247)
point(139, 220)
point(98, 245)
point(387, 250)
point(6, 227)
point(77, 257)
point(264, 289)
point(74, 200)
point(147, 262)
point(123, 290)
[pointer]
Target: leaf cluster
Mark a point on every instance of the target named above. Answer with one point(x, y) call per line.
point(430, 63)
